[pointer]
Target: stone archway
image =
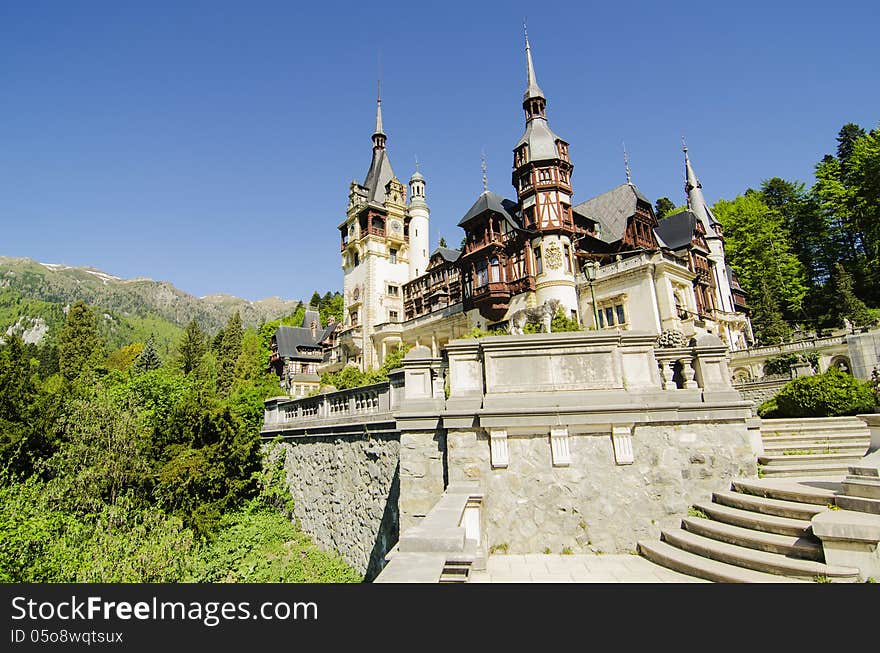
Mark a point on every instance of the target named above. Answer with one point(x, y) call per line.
point(841, 363)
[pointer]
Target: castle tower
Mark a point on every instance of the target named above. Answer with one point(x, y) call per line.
point(542, 178)
point(697, 204)
point(419, 215)
point(374, 254)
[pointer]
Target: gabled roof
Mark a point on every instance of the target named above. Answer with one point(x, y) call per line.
point(677, 230)
point(448, 254)
point(611, 210)
point(489, 201)
point(378, 176)
point(296, 342)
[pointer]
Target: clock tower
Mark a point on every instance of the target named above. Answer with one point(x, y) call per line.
point(379, 251)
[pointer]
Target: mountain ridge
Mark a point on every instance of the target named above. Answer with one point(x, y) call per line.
point(142, 298)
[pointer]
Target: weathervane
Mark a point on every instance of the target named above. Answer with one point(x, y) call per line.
point(483, 168)
point(626, 165)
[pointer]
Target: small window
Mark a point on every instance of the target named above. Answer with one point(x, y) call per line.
point(482, 274)
point(393, 254)
point(609, 316)
point(567, 258)
point(393, 290)
point(494, 270)
point(621, 318)
point(539, 265)
point(392, 316)
point(357, 259)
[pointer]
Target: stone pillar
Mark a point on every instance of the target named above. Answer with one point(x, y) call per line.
point(421, 474)
point(687, 371)
point(422, 441)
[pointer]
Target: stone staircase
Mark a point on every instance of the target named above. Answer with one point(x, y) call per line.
point(758, 532)
point(824, 446)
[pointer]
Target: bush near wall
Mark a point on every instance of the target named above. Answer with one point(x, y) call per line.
point(823, 395)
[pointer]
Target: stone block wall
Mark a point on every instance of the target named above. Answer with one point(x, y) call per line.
point(594, 504)
point(345, 492)
point(759, 391)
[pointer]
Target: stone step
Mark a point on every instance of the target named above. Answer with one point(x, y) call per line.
point(785, 490)
point(454, 572)
point(767, 506)
point(784, 461)
point(861, 487)
point(804, 469)
point(815, 430)
point(671, 557)
point(855, 438)
point(808, 548)
point(769, 563)
point(755, 521)
point(859, 504)
point(859, 449)
point(810, 423)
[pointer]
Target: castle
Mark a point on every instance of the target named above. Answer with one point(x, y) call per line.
point(608, 262)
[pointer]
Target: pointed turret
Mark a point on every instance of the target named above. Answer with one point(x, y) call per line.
point(534, 102)
point(380, 172)
point(532, 88)
point(379, 135)
point(695, 200)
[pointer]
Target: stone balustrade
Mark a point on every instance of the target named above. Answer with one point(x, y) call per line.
point(372, 403)
point(788, 348)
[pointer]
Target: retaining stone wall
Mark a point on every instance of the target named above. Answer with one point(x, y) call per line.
point(759, 391)
point(595, 505)
point(345, 493)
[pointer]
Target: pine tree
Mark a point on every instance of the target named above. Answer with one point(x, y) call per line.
point(191, 348)
point(230, 350)
point(767, 320)
point(148, 360)
point(79, 345)
point(663, 206)
point(850, 307)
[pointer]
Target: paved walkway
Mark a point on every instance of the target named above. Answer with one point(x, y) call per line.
point(605, 568)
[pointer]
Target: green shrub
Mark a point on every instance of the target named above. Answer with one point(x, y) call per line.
point(768, 408)
point(823, 395)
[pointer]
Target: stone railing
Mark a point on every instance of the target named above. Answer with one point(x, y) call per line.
point(631, 263)
point(789, 347)
point(371, 403)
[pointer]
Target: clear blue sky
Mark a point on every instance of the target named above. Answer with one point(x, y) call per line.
point(211, 144)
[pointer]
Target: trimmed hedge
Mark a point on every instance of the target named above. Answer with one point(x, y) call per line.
point(828, 394)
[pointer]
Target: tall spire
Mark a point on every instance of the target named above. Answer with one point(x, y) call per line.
point(532, 88)
point(379, 134)
point(695, 200)
point(690, 182)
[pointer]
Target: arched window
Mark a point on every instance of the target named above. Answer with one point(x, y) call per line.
point(494, 270)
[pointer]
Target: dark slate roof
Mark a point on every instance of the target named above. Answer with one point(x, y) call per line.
point(448, 254)
point(311, 315)
point(489, 201)
point(293, 342)
point(541, 140)
point(611, 210)
point(677, 230)
point(378, 176)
